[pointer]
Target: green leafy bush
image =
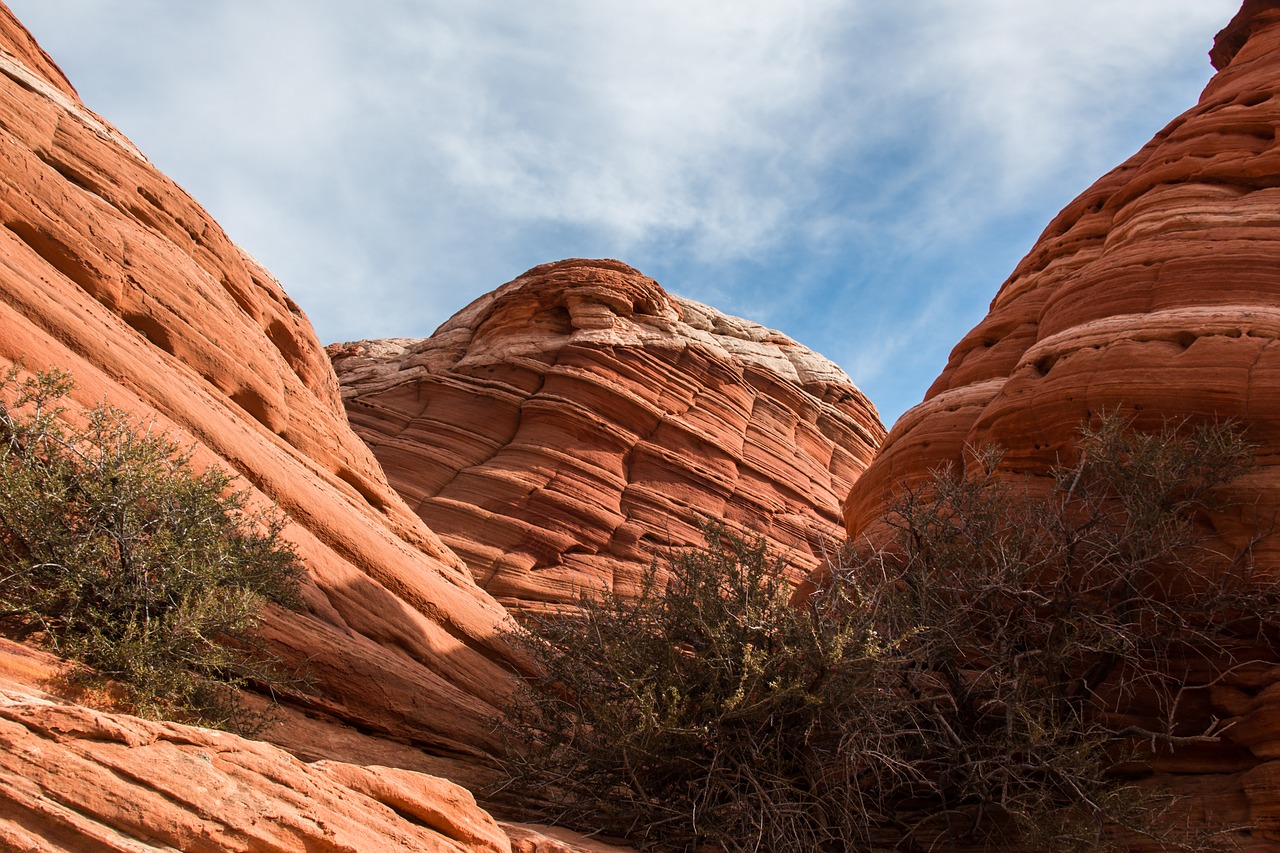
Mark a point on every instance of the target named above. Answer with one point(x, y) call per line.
point(115, 553)
point(994, 672)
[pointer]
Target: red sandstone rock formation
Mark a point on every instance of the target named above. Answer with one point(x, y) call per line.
point(1154, 292)
point(1157, 293)
point(108, 270)
point(561, 431)
point(74, 779)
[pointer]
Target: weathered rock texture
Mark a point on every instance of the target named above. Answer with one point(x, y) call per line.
point(561, 431)
point(108, 270)
point(1156, 293)
point(112, 272)
point(75, 779)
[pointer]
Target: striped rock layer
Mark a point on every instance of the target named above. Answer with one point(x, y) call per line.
point(564, 430)
point(1156, 293)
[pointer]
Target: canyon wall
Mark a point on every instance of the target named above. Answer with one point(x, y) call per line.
point(110, 271)
point(1156, 294)
point(564, 430)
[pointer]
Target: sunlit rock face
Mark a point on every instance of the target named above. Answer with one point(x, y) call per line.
point(110, 271)
point(563, 430)
point(1155, 293)
point(75, 779)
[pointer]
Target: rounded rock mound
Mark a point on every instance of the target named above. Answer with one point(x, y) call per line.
point(562, 431)
point(1153, 294)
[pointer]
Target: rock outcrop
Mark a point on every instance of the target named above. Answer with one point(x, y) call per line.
point(562, 431)
point(74, 779)
point(110, 271)
point(1155, 293)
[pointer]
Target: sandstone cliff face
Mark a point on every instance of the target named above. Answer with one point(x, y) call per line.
point(1154, 293)
point(110, 271)
point(561, 431)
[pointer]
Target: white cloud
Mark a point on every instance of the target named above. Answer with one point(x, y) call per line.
point(634, 119)
point(391, 161)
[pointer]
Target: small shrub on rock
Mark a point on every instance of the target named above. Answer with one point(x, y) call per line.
point(994, 672)
point(115, 553)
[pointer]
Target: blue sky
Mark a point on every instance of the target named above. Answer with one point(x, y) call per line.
point(859, 174)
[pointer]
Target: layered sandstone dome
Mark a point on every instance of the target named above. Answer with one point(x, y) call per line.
point(1156, 293)
point(565, 429)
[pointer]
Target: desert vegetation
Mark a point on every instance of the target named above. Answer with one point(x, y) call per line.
point(994, 667)
point(118, 555)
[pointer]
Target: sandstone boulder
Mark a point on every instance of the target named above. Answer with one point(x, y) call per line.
point(74, 779)
point(1152, 293)
point(563, 430)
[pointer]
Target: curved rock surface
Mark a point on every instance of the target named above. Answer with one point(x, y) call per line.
point(74, 779)
point(110, 271)
point(1155, 293)
point(563, 430)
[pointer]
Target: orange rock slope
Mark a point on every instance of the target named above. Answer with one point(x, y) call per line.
point(1156, 293)
point(75, 779)
point(110, 271)
point(563, 430)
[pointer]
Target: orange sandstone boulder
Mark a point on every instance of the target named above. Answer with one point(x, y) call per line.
point(1155, 292)
point(561, 431)
point(73, 779)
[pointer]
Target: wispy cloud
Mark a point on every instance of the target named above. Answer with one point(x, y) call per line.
point(803, 163)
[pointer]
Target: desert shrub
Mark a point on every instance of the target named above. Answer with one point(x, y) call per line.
point(705, 709)
point(992, 673)
point(116, 554)
point(1044, 639)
